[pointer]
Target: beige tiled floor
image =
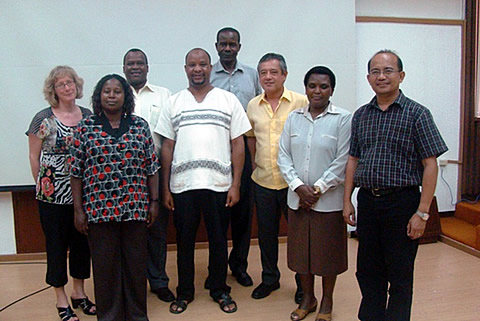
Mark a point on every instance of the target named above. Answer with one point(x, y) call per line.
point(447, 283)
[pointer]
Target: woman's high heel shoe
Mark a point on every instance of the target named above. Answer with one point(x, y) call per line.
point(66, 314)
point(85, 304)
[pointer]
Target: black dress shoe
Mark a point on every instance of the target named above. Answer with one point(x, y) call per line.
point(243, 278)
point(264, 290)
point(164, 294)
point(298, 295)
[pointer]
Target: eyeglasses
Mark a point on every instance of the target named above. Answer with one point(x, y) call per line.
point(64, 85)
point(387, 72)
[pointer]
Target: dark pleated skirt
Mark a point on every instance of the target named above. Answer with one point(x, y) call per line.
point(317, 242)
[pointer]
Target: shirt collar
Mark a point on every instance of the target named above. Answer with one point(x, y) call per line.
point(400, 101)
point(125, 123)
point(287, 94)
point(331, 109)
point(218, 67)
point(147, 87)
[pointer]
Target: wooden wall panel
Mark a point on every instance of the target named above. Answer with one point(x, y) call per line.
point(470, 172)
point(202, 232)
point(28, 231)
point(29, 234)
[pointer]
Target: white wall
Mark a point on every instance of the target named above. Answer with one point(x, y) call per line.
point(7, 229)
point(93, 36)
point(429, 9)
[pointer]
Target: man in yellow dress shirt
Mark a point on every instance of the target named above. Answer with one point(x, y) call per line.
point(267, 114)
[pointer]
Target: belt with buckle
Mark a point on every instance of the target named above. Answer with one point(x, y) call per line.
point(378, 192)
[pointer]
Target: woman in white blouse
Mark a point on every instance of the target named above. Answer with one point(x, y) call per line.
point(312, 157)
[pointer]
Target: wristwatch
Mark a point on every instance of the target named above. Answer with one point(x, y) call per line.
point(423, 216)
point(317, 189)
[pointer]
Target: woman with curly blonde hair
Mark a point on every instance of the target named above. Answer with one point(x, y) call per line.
point(49, 139)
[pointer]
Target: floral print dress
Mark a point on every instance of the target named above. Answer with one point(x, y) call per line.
point(53, 184)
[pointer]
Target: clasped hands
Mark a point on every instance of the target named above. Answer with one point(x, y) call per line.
point(308, 196)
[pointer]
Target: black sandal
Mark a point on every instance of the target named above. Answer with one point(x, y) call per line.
point(85, 304)
point(66, 314)
point(225, 300)
point(181, 304)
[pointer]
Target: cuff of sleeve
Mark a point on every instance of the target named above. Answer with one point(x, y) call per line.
point(295, 184)
point(322, 185)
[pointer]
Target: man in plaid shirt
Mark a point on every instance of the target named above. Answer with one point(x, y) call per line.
point(394, 148)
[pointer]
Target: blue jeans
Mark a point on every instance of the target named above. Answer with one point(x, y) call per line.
point(386, 254)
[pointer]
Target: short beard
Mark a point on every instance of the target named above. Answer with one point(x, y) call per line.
point(199, 83)
point(137, 84)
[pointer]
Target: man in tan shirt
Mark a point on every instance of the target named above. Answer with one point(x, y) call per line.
point(267, 114)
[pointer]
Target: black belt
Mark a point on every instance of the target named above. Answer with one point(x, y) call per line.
point(379, 192)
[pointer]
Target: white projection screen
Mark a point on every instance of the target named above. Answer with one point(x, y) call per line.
point(92, 37)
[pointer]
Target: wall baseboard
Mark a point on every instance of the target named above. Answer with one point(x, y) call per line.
point(459, 246)
point(23, 257)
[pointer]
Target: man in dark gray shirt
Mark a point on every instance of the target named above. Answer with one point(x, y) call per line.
point(241, 80)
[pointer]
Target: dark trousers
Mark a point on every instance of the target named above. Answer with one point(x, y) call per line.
point(189, 206)
point(119, 256)
point(270, 206)
point(386, 254)
point(61, 236)
point(157, 251)
point(241, 220)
